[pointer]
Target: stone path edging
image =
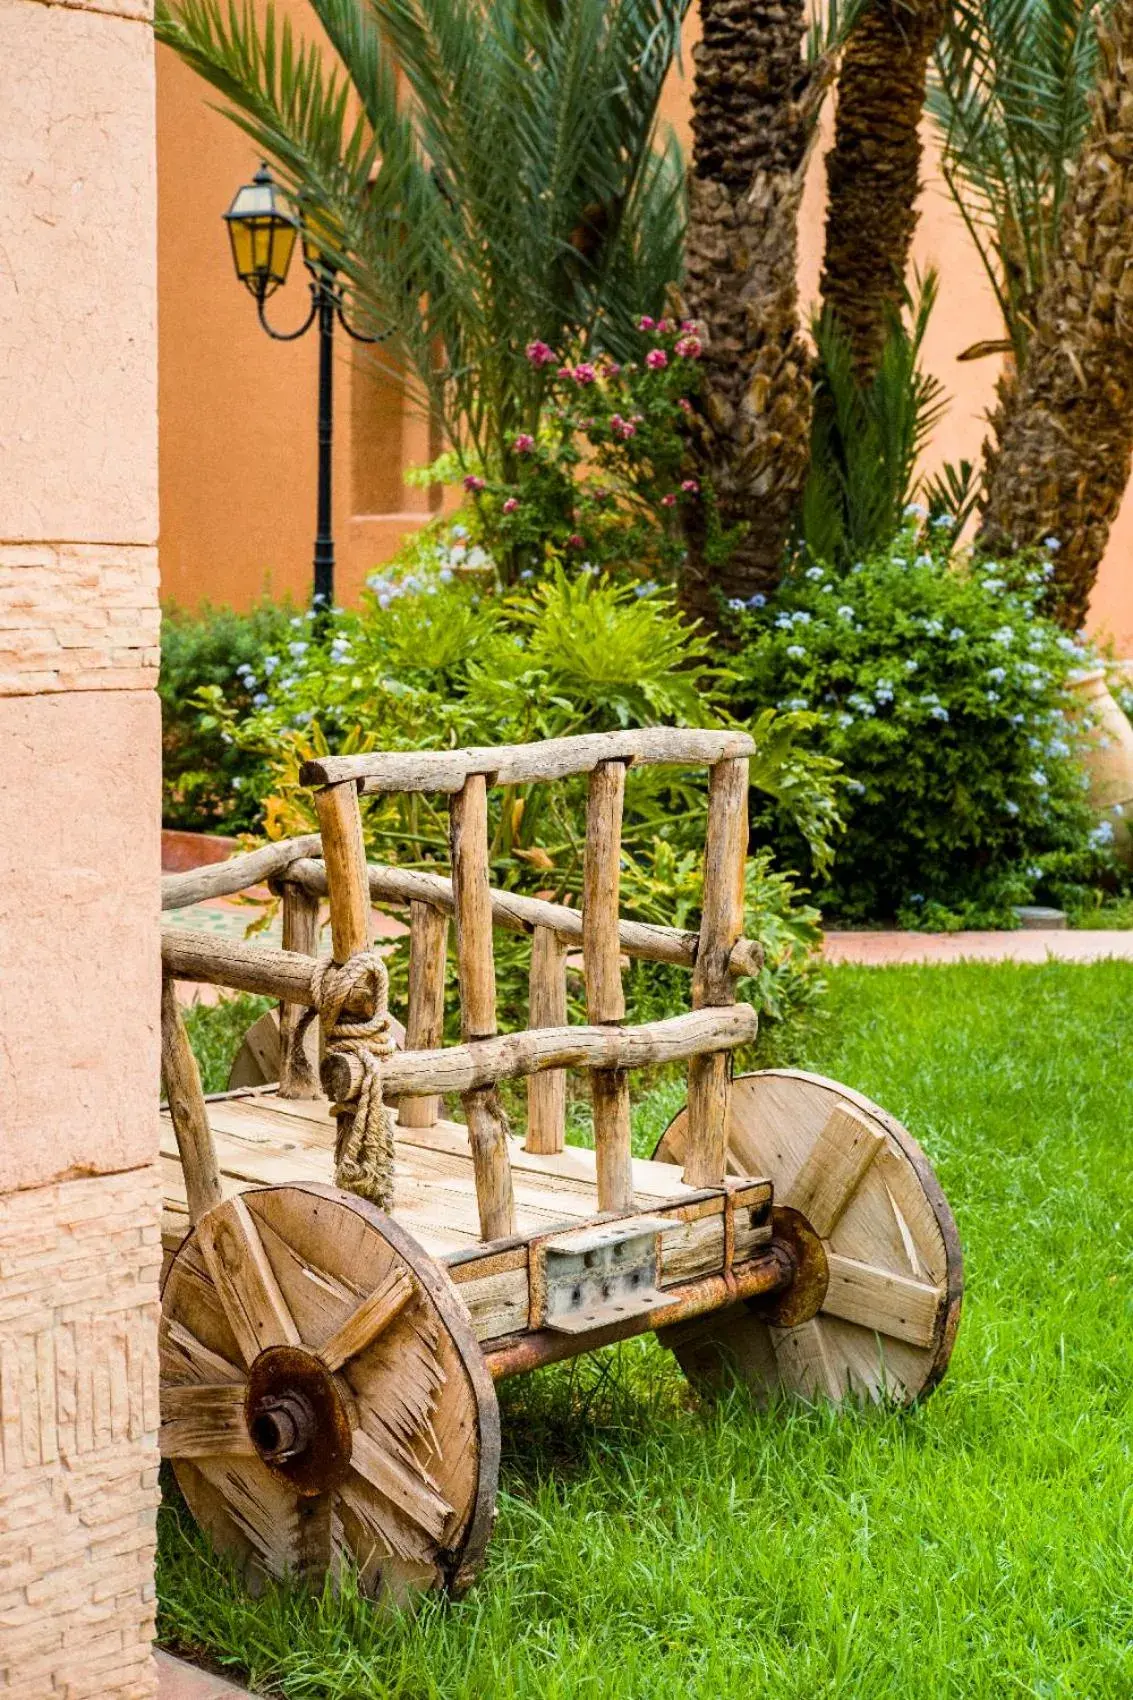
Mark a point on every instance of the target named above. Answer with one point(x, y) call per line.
point(1027, 945)
point(177, 1680)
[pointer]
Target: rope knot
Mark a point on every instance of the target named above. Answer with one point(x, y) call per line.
point(363, 1153)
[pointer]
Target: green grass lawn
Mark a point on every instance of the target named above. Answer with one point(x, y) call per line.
point(980, 1548)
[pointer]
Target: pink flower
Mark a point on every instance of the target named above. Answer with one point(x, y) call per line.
point(684, 404)
point(584, 373)
point(575, 541)
point(565, 372)
point(665, 327)
point(689, 347)
point(669, 501)
point(510, 505)
point(688, 325)
point(645, 323)
point(622, 427)
point(539, 354)
point(524, 443)
point(691, 487)
point(656, 359)
point(473, 483)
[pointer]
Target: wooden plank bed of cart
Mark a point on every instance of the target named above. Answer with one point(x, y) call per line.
point(329, 1351)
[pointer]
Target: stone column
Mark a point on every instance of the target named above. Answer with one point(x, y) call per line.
point(79, 851)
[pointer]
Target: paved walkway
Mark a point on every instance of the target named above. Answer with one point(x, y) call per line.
point(1027, 945)
point(230, 917)
point(177, 1680)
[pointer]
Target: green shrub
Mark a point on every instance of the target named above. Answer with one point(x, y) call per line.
point(433, 658)
point(203, 773)
point(943, 693)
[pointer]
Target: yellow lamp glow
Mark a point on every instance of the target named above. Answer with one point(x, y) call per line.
point(262, 232)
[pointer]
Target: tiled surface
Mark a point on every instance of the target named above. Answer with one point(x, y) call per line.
point(1024, 946)
point(177, 1680)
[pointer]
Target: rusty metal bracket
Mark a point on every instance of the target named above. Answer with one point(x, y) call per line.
point(603, 1273)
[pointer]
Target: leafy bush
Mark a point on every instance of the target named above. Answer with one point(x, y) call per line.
point(943, 693)
point(202, 770)
point(433, 658)
point(604, 478)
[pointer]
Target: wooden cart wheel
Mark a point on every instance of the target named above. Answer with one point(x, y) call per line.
point(875, 1311)
point(323, 1397)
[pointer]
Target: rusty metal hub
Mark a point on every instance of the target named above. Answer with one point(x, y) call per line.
point(801, 1252)
point(297, 1419)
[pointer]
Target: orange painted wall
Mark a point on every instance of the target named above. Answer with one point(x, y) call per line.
point(238, 412)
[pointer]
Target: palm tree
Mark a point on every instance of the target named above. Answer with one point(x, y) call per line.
point(873, 171)
point(511, 191)
point(1066, 433)
point(755, 101)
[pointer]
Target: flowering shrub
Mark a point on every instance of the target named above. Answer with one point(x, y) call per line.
point(602, 475)
point(942, 692)
point(438, 656)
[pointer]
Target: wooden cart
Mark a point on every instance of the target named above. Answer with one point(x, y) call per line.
point(328, 1359)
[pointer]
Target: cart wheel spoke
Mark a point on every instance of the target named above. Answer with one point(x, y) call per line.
point(244, 1279)
point(370, 1320)
point(882, 1301)
point(833, 1169)
point(402, 1486)
point(202, 1421)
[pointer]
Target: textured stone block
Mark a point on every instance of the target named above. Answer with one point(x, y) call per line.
point(77, 617)
point(78, 1437)
point(78, 379)
point(79, 992)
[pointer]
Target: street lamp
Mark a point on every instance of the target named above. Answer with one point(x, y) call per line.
point(262, 229)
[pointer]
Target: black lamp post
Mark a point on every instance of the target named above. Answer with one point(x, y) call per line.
point(262, 229)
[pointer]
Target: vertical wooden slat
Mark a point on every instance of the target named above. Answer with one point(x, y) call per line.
point(348, 885)
point(298, 1025)
point(187, 1110)
point(424, 1023)
point(487, 1124)
point(722, 915)
point(605, 997)
point(547, 1007)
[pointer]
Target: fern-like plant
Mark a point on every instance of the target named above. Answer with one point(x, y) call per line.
point(867, 438)
point(487, 175)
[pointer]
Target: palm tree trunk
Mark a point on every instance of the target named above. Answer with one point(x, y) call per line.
point(873, 170)
point(754, 104)
point(1065, 427)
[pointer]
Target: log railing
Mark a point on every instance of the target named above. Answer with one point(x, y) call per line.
point(716, 955)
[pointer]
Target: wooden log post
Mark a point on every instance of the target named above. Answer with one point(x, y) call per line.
point(605, 997)
point(487, 1124)
point(298, 1029)
point(187, 1109)
point(424, 1023)
point(547, 1007)
point(348, 888)
point(721, 923)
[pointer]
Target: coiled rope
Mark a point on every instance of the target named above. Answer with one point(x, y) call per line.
point(363, 1152)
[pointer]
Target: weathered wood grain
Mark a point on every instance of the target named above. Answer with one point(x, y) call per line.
point(298, 1030)
point(224, 879)
point(187, 1109)
point(721, 924)
point(547, 1007)
point(513, 912)
point(344, 851)
point(525, 764)
point(424, 1026)
point(245, 1282)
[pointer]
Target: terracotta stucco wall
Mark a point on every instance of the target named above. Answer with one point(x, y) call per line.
point(237, 413)
point(79, 853)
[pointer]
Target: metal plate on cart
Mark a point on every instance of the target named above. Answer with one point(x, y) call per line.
point(603, 1274)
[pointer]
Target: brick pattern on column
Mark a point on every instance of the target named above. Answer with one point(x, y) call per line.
point(77, 616)
point(78, 1437)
